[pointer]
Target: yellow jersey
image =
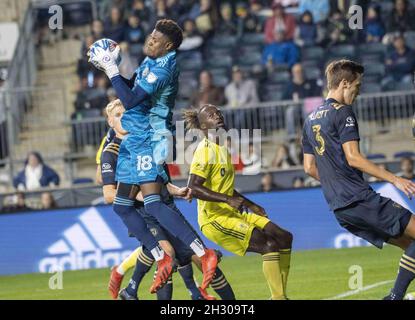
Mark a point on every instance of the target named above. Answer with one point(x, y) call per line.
point(213, 162)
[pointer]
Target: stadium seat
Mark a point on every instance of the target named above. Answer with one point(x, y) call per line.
point(221, 80)
point(250, 59)
point(410, 39)
point(279, 77)
point(312, 53)
point(312, 73)
point(342, 51)
point(376, 156)
point(274, 95)
point(223, 42)
point(273, 92)
point(368, 87)
point(375, 69)
point(216, 72)
point(253, 39)
point(404, 154)
point(399, 86)
point(190, 64)
point(371, 58)
point(218, 52)
point(373, 48)
point(223, 62)
point(181, 104)
point(245, 49)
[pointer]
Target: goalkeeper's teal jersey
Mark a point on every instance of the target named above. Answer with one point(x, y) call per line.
point(159, 78)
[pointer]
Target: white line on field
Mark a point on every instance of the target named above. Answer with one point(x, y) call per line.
point(353, 292)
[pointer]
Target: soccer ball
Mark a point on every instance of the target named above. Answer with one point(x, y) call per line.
point(105, 44)
point(410, 296)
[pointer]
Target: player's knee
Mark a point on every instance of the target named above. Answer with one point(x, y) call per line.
point(271, 245)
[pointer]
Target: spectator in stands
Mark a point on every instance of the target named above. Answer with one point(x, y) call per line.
point(36, 174)
point(175, 9)
point(299, 87)
point(400, 64)
point(280, 52)
point(191, 47)
point(287, 3)
point(252, 161)
point(97, 30)
point(48, 201)
point(279, 22)
point(267, 183)
point(338, 30)
point(374, 28)
point(134, 32)
point(247, 20)
point(407, 169)
point(241, 91)
point(142, 12)
point(208, 92)
point(298, 182)
point(307, 32)
point(205, 13)
point(227, 25)
point(114, 25)
point(128, 63)
point(159, 12)
point(18, 203)
point(402, 17)
point(282, 159)
point(320, 9)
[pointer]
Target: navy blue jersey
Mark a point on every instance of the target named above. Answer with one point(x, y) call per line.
point(109, 159)
point(325, 130)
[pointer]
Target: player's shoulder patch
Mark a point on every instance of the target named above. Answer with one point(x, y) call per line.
point(112, 147)
point(151, 77)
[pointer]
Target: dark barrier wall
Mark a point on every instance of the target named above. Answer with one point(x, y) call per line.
point(94, 237)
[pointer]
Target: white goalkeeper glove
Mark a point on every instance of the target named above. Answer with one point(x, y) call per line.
point(103, 60)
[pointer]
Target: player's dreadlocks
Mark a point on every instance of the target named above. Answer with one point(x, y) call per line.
point(191, 118)
point(172, 30)
point(342, 69)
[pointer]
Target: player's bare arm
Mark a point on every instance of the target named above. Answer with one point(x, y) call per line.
point(201, 192)
point(184, 193)
point(358, 161)
point(310, 166)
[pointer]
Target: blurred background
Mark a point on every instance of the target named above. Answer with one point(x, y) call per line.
point(262, 61)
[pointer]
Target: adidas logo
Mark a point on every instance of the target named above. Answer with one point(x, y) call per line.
point(90, 243)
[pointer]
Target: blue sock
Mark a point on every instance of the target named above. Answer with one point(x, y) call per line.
point(406, 273)
point(144, 262)
point(222, 286)
point(186, 273)
point(134, 222)
point(173, 222)
point(166, 293)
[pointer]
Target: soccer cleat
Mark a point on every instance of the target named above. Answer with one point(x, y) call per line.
point(165, 268)
point(206, 295)
point(124, 295)
point(209, 263)
point(115, 282)
point(391, 296)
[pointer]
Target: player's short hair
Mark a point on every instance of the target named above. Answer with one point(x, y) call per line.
point(338, 70)
point(171, 30)
point(113, 105)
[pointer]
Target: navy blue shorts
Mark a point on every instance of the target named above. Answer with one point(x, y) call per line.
point(376, 219)
point(183, 253)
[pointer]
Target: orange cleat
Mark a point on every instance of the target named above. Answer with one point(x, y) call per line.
point(165, 268)
point(209, 264)
point(206, 295)
point(115, 282)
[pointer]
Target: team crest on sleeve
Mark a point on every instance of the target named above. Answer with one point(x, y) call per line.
point(350, 122)
point(106, 167)
point(151, 78)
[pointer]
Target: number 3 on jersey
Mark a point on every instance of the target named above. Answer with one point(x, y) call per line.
point(144, 163)
point(320, 150)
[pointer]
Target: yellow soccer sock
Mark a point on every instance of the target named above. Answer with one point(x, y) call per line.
point(129, 262)
point(285, 259)
point(272, 272)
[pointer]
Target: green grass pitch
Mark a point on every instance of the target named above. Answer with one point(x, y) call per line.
point(315, 275)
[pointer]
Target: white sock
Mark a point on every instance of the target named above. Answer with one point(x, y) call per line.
point(198, 248)
point(157, 253)
point(120, 270)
